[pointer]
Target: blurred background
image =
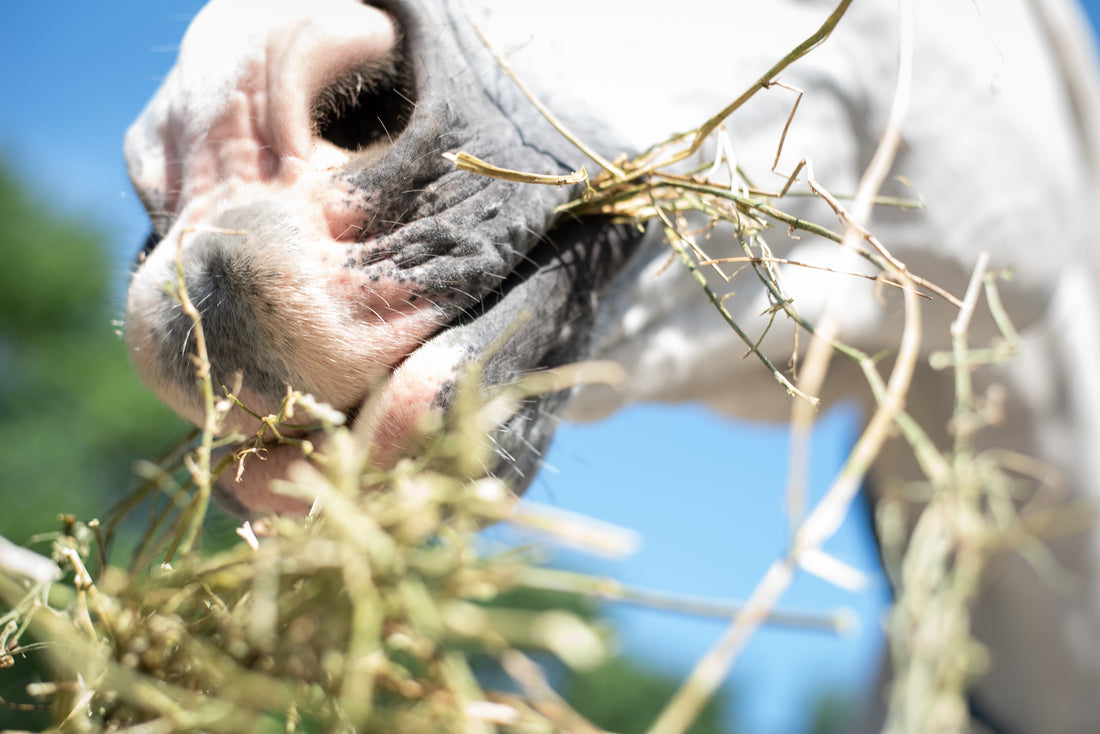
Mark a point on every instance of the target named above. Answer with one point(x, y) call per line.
point(704, 493)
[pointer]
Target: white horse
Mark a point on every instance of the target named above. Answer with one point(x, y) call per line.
point(319, 133)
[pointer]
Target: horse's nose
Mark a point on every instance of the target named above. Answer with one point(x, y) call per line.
point(243, 160)
point(236, 294)
point(303, 91)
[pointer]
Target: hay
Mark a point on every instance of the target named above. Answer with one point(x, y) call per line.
point(364, 616)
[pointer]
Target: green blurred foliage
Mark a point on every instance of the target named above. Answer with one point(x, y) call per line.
point(624, 696)
point(73, 414)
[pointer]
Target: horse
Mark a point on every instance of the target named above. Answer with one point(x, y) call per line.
point(299, 164)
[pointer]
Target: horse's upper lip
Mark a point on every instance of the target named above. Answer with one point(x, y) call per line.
point(423, 380)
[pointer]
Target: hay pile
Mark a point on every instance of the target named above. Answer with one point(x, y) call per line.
point(362, 617)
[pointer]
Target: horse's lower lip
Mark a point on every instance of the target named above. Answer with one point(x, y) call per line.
point(385, 425)
point(249, 486)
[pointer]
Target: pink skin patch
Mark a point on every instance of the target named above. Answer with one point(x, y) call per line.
point(231, 127)
point(256, 489)
point(407, 398)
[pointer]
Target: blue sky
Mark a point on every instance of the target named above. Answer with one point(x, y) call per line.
point(704, 493)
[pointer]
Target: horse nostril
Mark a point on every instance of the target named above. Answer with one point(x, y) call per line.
point(365, 106)
point(150, 244)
